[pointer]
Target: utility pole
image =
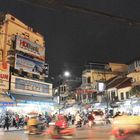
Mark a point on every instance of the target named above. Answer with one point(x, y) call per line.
point(106, 68)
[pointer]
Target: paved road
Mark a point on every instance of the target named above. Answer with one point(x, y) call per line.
point(96, 133)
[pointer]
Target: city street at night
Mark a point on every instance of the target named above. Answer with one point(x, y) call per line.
point(95, 133)
point(69, 69)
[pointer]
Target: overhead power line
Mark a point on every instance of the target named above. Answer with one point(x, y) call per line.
point(99, 13)
point(57, 4)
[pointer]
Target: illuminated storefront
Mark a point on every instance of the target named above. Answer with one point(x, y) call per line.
point(30, 95)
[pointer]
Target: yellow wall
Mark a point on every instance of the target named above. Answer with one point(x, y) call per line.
point(135, 76)
point(117, 67)
point(16, 27)
point(98, 75)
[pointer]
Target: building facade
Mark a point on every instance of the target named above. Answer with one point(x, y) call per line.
point(94, 79)
point(22, 53)
point(134, 71)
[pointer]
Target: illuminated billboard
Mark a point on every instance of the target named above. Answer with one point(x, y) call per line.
point(101, 87)
point(28, 86)
point(29, 65)
point(30, 48)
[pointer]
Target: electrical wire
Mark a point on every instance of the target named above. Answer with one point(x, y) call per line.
point(53, 4)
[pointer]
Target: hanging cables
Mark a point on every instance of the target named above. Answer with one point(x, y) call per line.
point(55, 4)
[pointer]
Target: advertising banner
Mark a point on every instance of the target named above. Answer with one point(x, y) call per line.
point(30, 48)
point(24, 85)
point(29, 65)
point(4, 77)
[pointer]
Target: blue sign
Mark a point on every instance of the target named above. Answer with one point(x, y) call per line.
point(33, 86)
point(29, 65)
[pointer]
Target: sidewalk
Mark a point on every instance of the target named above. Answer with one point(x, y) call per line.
point(11, 129)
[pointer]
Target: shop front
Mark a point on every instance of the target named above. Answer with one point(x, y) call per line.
point(5, 100)
point(30, 96)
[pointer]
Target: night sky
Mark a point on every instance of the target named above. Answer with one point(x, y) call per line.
point(74, 37)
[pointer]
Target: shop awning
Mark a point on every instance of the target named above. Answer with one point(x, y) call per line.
point(5, 100)
point(25, 98)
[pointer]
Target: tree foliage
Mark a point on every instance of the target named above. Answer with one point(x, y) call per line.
point(135, 91)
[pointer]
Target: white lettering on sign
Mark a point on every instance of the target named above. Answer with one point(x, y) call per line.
point(29, 47)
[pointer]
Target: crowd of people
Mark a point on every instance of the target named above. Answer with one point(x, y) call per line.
point(17, 121)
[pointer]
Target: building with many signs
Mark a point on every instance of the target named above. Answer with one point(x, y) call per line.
point(22, 65)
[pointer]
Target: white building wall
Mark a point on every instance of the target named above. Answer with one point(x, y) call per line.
point(111, 90)
point(124, 91)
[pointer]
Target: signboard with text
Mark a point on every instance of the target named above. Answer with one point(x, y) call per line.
point(24, 85)
point(29, 65)
point(4, 77)
point(29, 47)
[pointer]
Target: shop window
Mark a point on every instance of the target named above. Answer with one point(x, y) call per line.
point(122, 96)
point(127, 95)
point(108, 95)
point(64, 88)
point(84, 96)
point(112, 95)
point(94, 96)
point(89, 80)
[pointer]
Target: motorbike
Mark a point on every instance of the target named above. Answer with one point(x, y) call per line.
point(35, 130)
point(54, 132)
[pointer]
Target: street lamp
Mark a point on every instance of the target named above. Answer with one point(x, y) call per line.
point(66, 74)
point(107, 68)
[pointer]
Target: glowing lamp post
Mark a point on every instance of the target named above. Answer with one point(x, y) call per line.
point(66, 74)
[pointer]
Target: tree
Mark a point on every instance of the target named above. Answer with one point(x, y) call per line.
point(135, 91)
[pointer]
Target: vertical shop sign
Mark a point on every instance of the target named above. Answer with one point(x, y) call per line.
point(4, 77)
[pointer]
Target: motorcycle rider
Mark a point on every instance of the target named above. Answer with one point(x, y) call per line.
point(61, 123)
point(90, 118)
point(32, 124)
point(78, 119)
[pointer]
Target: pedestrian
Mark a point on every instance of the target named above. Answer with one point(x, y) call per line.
point(7, 122)
point(72, 119)
point(26, 120)
point(17, 121)
point(14, 122)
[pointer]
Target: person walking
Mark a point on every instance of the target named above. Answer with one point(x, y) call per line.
point(7, 123)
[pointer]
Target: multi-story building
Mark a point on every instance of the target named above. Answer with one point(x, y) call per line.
point(118, 88)
point(24, 50)
point(66, 90)
point(134, 71)
point(94, 79)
